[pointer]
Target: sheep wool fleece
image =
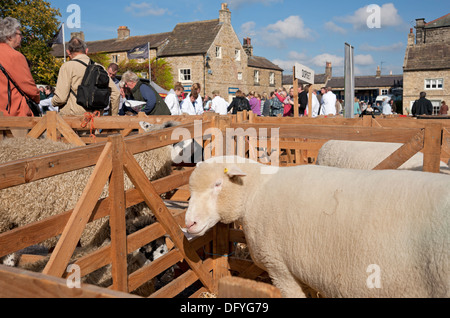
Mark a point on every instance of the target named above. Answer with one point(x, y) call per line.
point(330, 239)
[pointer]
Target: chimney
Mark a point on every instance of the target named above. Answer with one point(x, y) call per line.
point(328, 71)
point(123, 33)
point(225, 14)
point(411, 37)
point(248, 48)
point(79, 35)
point(420, 31)
point(378, 72)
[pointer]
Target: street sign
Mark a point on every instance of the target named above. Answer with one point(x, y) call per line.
point(304, 73)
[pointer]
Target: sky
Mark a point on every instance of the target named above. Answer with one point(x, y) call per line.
point(284, 31)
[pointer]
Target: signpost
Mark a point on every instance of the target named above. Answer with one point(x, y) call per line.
point(306, 75)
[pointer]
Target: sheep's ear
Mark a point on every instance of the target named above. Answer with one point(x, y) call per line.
point(234, 171)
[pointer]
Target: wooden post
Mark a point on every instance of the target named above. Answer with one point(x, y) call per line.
point(65, 247)
point(432, 148)
point(295, 81)
point(221, 250)
point(51, 126)
point(117, 216)
point(154, 201)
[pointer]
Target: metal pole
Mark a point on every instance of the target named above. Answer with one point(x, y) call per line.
point(349, 81)
point(64, 42)
point(149, 65)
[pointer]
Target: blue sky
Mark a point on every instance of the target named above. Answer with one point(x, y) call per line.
point(283, 31)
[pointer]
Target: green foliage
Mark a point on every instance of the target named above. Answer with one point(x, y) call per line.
point(100, 58)
point(39, 25)
point(161, 71)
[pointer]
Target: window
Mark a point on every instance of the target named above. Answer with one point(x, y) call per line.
point(436, 83)
point(185, 75)
point(256, 77)
point(115, 58)
point(272, 79)
point(240, 76)
point(218, 52)
point(384, 92)
point(436, 106)
point(237, 55)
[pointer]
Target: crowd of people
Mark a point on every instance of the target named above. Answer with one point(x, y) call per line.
point(129, 95)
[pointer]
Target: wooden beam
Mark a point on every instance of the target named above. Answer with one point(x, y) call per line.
point(403, 154)
point(117, 216)
point(65, 247)
point(221, 249)
point(235, 287)
point(68, 132)
point(399, 135)
point(18, 283)
point(148, 192)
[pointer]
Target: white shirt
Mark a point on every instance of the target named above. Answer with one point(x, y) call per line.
point(315, 106)
point(187, 107)
point(387, 109)
point(172, 102)
point(328, 104)
point(219, 105)
point(198, 105)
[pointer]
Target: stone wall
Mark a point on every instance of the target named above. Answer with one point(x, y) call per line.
point(414, 83)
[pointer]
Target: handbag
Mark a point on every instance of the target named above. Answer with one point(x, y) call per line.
point(34, 107)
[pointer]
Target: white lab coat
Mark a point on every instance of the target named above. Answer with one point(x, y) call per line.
point(219, 105)
point(328, 104)
point(315, 106)
point(172, 102)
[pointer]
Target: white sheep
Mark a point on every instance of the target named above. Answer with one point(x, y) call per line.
point(366, 155)
point(38, 200)
point(315, 226)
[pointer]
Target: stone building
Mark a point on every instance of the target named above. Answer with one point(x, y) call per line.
point(427, 63)
point(206, 52)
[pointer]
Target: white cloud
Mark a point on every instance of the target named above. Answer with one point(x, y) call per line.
point(388, 17)
point(362, 59)
point(320, 60)
point(392, 47)
point(144, 9)
point(292, 27)
point(333, 27)
point(248, 29)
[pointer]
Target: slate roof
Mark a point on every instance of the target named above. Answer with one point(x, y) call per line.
point(116, 45)
point(440, 22)
point(428, 56)
point(369, 81)
point(262, 62)
point(191, 38)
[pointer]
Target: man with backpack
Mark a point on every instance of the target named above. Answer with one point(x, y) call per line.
point(75, 92)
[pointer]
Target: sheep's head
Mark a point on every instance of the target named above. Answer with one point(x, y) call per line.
point(215, 196)
point(147, 127)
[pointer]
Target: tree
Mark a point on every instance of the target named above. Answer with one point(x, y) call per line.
point(39, 26)
point(161, 71)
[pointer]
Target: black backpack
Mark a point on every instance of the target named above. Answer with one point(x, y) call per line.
point(94, 92)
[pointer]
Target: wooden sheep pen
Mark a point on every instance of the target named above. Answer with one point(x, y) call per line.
point(298, 142)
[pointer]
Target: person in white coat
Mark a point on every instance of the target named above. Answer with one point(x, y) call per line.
point(328, 103)
point(196, 88)
point(189, 104)
point(315, 104)
point(172, 99)
point(218, 104)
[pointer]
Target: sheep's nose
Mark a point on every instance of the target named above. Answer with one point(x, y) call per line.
point(191, 224)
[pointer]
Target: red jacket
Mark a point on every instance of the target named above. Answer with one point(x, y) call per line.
point(17, 67)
